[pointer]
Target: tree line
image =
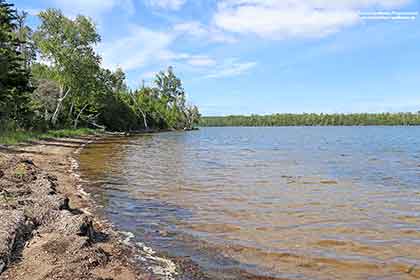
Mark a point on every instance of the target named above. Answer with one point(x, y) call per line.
point(52, 78)
point(364, 119)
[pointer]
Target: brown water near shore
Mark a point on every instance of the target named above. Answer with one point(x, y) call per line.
point(285, 203)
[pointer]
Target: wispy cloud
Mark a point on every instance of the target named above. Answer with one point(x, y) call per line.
point(166, 4)
point(138, 48)
point(282, 19)
point(200, 31)
point(92, 8)
point(144, 47)
point(201, 61)
point(231, 67)
point(132, 53)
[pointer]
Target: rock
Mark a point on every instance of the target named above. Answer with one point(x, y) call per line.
point(43, 238)
point(28, 161)
point(13, 228)
point(2, 266)
point(80, 225)
point(65, 204)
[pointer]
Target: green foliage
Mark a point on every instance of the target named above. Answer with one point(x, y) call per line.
point(169, 86)
point(68, 45)
point(314, 120)
point(117, 116)
point(70, 87)
point(15, 89)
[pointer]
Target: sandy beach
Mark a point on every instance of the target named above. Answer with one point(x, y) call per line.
point(48, 230)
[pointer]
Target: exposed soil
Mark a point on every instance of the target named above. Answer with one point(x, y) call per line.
point(46, 229)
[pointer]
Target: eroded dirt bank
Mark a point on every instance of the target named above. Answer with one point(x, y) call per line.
point(46, 229)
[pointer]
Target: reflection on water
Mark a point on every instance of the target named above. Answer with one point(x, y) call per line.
point(288, 203)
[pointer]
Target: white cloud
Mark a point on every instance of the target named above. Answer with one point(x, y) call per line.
point(167, 4)
point(200, 31)
point(143, 47)
point(201, 61)
point(355, 4)
point(140, 47)
point(92, 8)
point(193, 28)
point(231, 67)
point(280, 19)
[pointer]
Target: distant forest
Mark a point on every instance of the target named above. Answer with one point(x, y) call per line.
point(314, 120)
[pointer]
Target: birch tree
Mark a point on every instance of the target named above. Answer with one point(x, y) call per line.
point(67, 47)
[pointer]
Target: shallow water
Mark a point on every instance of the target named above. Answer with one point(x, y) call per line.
point(284, 202)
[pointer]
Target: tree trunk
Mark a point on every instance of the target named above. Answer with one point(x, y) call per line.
point(144, 118)
point(98, 126)
point(59, 104)
point(46, 115)
point(76, 121)
point(71, 110)
point(141, 111)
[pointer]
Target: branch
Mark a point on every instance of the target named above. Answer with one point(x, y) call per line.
point(76, 121)
point(65, 95)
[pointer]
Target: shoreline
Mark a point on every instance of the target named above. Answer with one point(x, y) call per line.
point(156, 264)
point(44, 249)
point(125, 259)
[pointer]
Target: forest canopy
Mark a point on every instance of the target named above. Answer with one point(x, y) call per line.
point(52, 78)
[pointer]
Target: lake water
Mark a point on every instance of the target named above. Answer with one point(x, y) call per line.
point(282, 202)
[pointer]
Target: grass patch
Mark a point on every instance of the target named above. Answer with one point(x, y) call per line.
point(69, 133)
point(20, 171)
point(16, 137)
point(7, 198)
point(3, 159)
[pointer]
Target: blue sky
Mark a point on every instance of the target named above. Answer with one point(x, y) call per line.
point(264, 56)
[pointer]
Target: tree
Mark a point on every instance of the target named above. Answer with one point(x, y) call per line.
point(72, 89)
point(192, 115)
point(137, 107)
point(68, 46)
point(15, 88)
point(314, 119)
point(170, 86)
point(46, 95)
point(24, 35)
